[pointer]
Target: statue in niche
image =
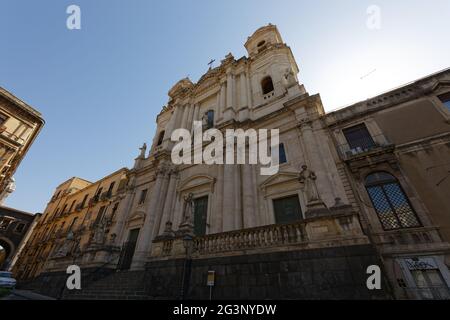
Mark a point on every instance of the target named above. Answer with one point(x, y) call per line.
point(308, 178)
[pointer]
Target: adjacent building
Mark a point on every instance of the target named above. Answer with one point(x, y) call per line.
point(366, 185)
point(19, 126)
point(15, 229)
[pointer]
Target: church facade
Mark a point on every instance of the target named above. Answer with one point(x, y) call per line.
point(341, 202)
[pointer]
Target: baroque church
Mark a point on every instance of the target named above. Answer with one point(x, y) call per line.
point(341, 202)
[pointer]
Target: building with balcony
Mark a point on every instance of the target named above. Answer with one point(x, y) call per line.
point(19, 126)
point(77, 219)
point(340, 202)
point(395, 152)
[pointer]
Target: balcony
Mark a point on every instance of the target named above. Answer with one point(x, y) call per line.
point(106, 195)
point(364, 146)
point(326, 231)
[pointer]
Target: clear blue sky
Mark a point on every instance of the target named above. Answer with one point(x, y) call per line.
point(101, 87)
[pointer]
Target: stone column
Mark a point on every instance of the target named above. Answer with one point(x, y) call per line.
point(228, 198)
point(230, 108)
point(146, 233)
point(222, 100)
point(217, 108)
point(185, 117)
point(248, 196)
point(168, 202)
point(190, 117)
point(230, 81)
point(161, 204)
point(217, 219)
point(243, 83)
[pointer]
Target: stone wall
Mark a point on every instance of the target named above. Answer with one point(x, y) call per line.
point(331, 273)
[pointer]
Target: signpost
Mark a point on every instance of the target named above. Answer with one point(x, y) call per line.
point(210, 282)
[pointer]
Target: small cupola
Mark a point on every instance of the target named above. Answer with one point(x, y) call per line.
point(263, 38)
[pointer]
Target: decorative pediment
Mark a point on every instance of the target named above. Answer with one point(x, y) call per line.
point(281, 178)
point(136, 218)
point(197, 181)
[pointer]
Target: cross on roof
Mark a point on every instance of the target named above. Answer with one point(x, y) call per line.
point(210, 63)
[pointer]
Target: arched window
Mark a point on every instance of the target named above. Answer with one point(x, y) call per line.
point(261, 46)
point(160, 137)
point(267, 85)
point(390, 202)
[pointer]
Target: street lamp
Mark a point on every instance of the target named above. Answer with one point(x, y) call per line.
point(187, 243)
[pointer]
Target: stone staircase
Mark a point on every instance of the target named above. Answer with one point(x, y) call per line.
point(120, 285)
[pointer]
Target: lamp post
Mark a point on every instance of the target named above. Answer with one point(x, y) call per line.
point(187, 243)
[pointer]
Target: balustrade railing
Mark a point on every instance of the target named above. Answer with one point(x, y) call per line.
point(267, 236)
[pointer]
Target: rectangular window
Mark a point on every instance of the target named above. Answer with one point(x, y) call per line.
point(359, 138)
point(210, 119)
point(110, 189)
point(72, 205)
point(200, 215)
point(287, 210)
point(73, 223)
point(99, 192)
point(143, 196)
point(2, 119)
point(84, 201)
point(4, 223)
point(282, 153)
point(114, 210)
point(20, 227)
point(100, 215)
point(445, 99)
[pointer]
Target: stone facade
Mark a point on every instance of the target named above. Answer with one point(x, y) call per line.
point(19, 126)
point(192, 218)
point(15, 229)
point(75, 226)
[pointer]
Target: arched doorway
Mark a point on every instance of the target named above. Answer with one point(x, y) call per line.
point(5, 253)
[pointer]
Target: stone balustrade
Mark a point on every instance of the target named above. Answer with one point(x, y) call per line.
point(267, 236)
point(332, 230)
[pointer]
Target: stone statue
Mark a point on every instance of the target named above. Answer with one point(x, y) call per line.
point(187, 226)
point(308, 178)
point(188, 213)
point(143, 150)
point(289, 78)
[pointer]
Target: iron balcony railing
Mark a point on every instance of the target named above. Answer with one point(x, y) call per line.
point(363, 145)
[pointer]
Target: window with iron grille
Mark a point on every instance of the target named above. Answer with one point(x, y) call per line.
point(390, 202)
point(358, 137)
